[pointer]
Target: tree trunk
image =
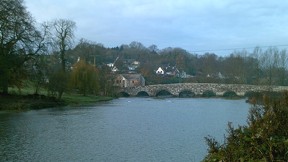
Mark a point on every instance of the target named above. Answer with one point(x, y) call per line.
point(60, 93)
point(4, 82)
point(5, 89)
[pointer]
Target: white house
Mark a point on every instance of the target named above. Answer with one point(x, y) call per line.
point(114, 69)
point(136, 63)
point(110, 65)
point(160, 71)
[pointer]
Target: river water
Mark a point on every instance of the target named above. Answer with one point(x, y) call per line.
point(125, 129)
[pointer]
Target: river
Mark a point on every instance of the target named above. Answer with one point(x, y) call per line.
point(125, 129)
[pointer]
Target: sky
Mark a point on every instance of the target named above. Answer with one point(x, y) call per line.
point(198, 26)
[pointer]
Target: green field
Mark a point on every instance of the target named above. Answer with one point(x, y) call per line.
point(19, 100)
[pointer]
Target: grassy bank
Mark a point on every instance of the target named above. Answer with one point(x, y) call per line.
point(29, 102)
point(24, 100)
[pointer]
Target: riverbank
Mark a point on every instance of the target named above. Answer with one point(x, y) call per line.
point(32, 102)
point(80, 100)
point(26, 101)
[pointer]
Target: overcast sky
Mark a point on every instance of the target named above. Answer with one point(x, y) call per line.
point(195, 25)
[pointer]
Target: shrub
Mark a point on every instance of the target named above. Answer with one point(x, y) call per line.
point(264, 139)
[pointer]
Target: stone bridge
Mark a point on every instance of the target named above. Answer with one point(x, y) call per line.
point(198, 89)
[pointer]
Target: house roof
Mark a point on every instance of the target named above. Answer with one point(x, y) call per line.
point(168, 69)
point(131, 76)
point(171, 68)
point(160, 68)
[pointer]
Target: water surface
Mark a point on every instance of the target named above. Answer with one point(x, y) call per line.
point(125, 129)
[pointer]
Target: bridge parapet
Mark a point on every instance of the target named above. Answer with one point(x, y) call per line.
point(200, 88)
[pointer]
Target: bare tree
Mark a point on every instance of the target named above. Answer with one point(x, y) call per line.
point(257, 55)
point(62, 31)
point(283, 66)
point(153, 48)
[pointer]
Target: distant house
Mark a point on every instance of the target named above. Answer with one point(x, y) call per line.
point(131, 64)
point(172, 70)
point(113, 67)
point(110, 65)
point(169, 70)
point(129, 80)
point(220, 75)
point(131, 68)
point(137, 63)
point(183, 74)
point(160, 71)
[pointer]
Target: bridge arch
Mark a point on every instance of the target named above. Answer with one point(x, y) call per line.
point(123, 94)
point(208, 93)
point(229, 94)
point(142, 94)
point(186, 94)
point(163, 93)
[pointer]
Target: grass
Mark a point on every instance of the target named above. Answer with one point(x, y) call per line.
point(25, 100)
point(27, 90)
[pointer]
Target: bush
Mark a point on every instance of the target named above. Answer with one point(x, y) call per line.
point(257, 97)
point(264, 139)
point(250, 94)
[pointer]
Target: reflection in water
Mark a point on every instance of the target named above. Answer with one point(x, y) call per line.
point(127, 129)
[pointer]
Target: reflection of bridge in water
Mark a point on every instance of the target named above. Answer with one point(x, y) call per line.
point(192, 89)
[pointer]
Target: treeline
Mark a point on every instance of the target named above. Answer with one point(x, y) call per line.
point(260, 67)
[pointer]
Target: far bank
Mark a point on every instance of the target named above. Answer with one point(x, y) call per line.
point(33, 102)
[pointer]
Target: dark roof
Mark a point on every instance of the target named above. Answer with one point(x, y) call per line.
point(132, 76)
point(171, 68)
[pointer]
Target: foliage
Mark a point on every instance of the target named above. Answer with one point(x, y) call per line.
point(85, 78)
point(62, 32)
point(264, 139)
point(57, 83)
point(19, 41)
point(106, 81)
point(38, 73)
